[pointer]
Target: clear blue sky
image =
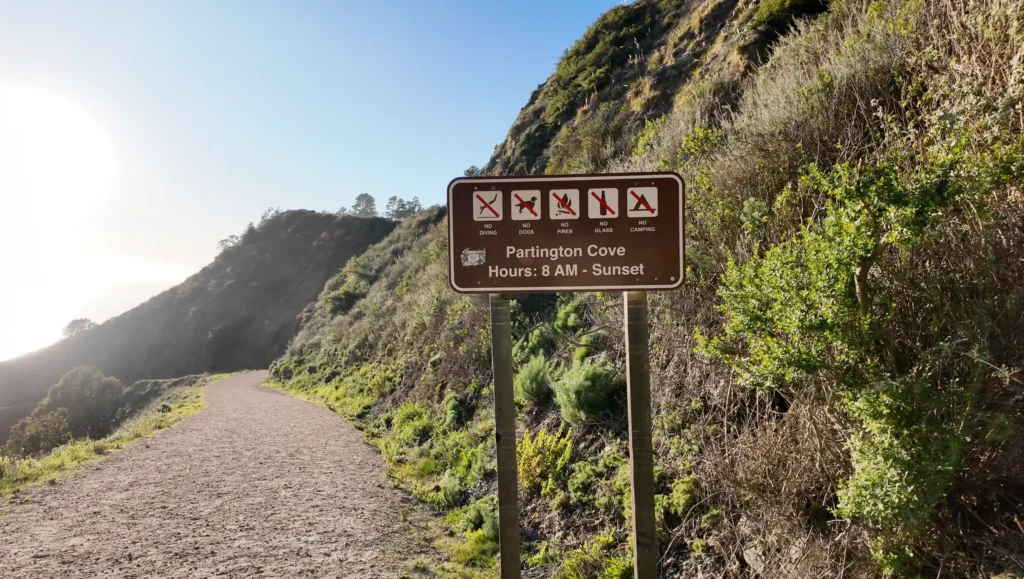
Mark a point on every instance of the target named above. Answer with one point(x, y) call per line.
point(216, 110)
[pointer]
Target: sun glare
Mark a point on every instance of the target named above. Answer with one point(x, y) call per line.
point(54, 154)
point(57, 167)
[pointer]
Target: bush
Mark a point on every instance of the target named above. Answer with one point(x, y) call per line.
point(453, 411)
point(92, 401)
point(412, 424)
point(581, 483)
point(472, 465)
point(482, 515)
point(569, 316)
point(597, 558)
point(543, 460)
point(586, 390)
point(533, 382)
point(477, 550)
point(683, 495)
point(342, 300)
point(36, 435)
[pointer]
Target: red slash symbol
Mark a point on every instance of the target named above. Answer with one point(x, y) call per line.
point(641, 201)
point(603, 204)
point(523, 204)
point(487, 205)
point(563, 204)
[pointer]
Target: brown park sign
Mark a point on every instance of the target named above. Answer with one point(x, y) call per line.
point(566, 233)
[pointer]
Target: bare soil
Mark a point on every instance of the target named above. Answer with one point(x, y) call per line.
point(258, 484)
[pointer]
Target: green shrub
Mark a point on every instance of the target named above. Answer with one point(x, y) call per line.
point(587, 390)
point(92, 401)
point(453, 411)
point(448, 494)
point(804, 310)
point(537, 343)
point(482, 515)
point(341, 301)
point(533, 381)
point(712, 519)
point(412, 424)
point(36, 435)
point(697, 548)
point(477, 550)
point(472, 465)
point(539, 554)
point(543, 460)
point(383, 379)
point(581, 483)
point(683, 495)
point(597, 558)
point(776, 13)
point(568, 317)
point(435, 361)
point(620, 567)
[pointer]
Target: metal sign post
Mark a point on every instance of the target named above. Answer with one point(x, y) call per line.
point(505, 438)
point(564, 233)
point(638, 395)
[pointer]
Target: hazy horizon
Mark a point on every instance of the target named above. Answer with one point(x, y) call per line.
point(135, 136)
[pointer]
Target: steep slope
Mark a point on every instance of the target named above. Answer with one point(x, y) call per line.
point(631, 67)
point(238, 312)
point(836, 389)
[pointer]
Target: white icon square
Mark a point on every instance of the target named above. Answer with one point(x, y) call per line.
point(603, 203)
point(642, 202)
point(525, 205)
point(487, 206)
point(564, 204)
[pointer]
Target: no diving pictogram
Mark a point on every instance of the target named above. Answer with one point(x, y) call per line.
point(487, 206)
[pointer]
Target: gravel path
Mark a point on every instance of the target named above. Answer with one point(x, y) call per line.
point(258, 484)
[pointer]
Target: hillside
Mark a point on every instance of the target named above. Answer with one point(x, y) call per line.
point(238, 312)
point(837, 390)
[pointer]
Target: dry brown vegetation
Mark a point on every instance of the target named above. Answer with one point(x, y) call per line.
point(837, 390)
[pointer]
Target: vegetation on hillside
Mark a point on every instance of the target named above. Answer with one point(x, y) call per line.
point(84, 404)
point(238, 312)
point(43, 447)
point(837, 389)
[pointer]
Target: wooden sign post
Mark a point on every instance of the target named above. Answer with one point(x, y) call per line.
point(570, 233)
point(505, 438)
point(641, 455)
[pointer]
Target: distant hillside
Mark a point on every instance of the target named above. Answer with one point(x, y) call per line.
point(238, 312)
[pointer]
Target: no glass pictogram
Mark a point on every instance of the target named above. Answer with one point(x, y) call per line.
point(603, 203)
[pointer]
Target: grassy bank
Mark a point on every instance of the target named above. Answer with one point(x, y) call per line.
point(17, 474)
point(463, 555)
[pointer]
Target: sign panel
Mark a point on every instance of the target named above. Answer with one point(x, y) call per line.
point(566, 233)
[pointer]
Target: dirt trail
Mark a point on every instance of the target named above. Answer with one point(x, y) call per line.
point(257, 484)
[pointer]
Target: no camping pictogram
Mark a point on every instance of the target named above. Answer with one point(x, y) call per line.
point(642, 202)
